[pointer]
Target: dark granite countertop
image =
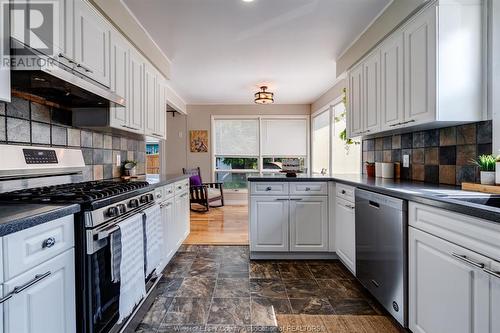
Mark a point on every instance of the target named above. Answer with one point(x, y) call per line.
point(164, 179)
point(441, 196)
point(16, 217)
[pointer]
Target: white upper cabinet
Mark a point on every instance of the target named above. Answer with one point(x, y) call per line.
point(64, 47)
point(428, 72)
point(355, 102)
point(391, 78)
point(150, 95)
point(120, 54)
point(420, 67)
point(371, 80)
point(161, 129)
point(92, 45)
point(135, 100)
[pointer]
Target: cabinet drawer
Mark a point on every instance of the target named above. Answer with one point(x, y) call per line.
point(168, 190)
point(159, 193)
point(181, 186)
point(345, 192)
point(478, 235)
point(273, 188)
point(30, 247)
point(312, 188)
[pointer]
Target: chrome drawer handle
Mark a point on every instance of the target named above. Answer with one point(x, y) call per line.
point(88, 70)
point(492, 273)
point(296, 199)
point(282, 199)
point(308, 188)
point(349, 206)
point(49, 242)
point(17, 290)
point(468, 261)
point(62, 55)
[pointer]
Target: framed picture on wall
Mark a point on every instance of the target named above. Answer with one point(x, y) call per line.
point(198, 141)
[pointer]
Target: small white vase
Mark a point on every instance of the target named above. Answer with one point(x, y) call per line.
point(488, 177)
point(497, 178)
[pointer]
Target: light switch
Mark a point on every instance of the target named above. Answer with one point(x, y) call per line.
point(406, 161)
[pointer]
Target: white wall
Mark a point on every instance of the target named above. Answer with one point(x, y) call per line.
point(494, 89)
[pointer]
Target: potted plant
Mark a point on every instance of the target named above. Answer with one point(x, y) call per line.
point(370, 169)
point(486, 164)
point(497, 180)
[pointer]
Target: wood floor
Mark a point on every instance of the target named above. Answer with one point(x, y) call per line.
point(226, 225)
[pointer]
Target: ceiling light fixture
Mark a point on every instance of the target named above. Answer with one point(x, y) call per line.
point(263, 96)
point(247, 0)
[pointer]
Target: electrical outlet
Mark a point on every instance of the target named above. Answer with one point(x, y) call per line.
point(118, 160)
point(406, 161)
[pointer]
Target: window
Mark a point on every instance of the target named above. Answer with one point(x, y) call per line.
point(330, 152)
point(252, 145)
point(152, 157)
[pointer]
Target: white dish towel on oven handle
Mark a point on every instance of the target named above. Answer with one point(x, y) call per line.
point(132, 283)
point(154, 238)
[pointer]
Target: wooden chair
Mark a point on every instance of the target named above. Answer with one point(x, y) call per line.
point(205, 193)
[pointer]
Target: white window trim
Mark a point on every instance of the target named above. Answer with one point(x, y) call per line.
point(329, 107)
point(260, 157)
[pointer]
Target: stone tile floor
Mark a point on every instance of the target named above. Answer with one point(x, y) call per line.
point(218, 288)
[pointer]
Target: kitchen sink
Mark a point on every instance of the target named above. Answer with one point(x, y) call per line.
point(491, 201)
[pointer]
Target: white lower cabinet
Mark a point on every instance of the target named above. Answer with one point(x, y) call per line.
point(269, 223)
point(449, 287)
point(309, 224)
point(45, 298)
point(182, 215)
point(345, 233)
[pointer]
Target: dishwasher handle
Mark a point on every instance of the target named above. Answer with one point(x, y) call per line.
point(374, 204)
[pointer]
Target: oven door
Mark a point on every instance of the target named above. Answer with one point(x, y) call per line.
point(102, 293)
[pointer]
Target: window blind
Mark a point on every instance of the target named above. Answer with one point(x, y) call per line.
point(284, 137)
point(236, 137)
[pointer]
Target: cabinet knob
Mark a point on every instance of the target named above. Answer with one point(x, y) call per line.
point(343, 192)
point(308, 188)
point(269, 188)
point(49, 242)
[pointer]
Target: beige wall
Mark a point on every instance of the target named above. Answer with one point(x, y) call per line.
point(395, 13)
point(333, 93)
point(176, 144)
point(199, 118)
point(119, 15)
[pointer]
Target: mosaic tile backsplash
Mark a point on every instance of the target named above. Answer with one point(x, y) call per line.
point(436, 156)
point(25, 122)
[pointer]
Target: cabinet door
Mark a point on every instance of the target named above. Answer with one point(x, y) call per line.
point(345, 233)
point(371, 88)
point(135, 105)
point(64, 47)
point(391, 89)
point(269, 224)
point(48, 305)
point(92, 43)
point(446, 293)
point(150, 103)
point(309, 224)
point(168, 219)
point(4, 70)
point(420, 67)
point(161, 122)
point(355, 102)
point(495, 297)
point(185, 215)
point(119, 79)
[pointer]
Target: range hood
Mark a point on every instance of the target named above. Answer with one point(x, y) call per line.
point(52, 80)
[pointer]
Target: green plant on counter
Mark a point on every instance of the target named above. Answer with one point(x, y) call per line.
point(486, 162)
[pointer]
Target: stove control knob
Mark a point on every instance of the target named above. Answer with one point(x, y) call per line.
point(144, 199)
point(112, 212)
point(134, 203)
point(121, 209)
point(151, 197)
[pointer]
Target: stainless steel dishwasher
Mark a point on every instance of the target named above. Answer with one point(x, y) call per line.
point(381, 250)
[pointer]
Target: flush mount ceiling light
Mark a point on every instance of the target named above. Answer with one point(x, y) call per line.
point(263, 96)
point(247, 0)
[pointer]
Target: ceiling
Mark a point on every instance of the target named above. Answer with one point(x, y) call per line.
point(223, 50)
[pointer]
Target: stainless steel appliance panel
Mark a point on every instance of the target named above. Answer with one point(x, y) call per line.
point(381, 250)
